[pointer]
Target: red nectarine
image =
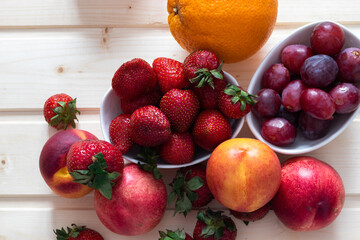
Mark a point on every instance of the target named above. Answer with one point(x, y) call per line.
point(311, 194)
point(52, 163)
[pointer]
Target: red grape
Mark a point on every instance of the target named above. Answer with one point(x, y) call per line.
point(292, 117)
point(276, 77)
point(278, 131)
point(290, 97)
point(313, 128)
point(346, 97)
point(319, 71)
point(317, 103)
point(268, 103)
point(327, 38)
point(293, 56)
point(349, 65)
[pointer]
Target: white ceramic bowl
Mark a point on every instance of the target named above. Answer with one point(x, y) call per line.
point(110, 108)
point(339, 123)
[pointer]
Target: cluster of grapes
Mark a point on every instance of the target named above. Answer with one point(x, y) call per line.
point(309, 87)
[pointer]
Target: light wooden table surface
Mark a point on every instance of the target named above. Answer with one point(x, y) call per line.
point(47, 47)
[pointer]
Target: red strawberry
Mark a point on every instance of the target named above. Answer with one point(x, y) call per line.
point(179, 149)
point(95, 163)
point(252, 216)
point(133, 79)
point(60, 111)
point(201, 67)
point(170, 74)
point(214, 225)
point(208, 95)
point(149, 126)
point(119, 132)
point(235, 102)
point(181, 107)
point(149, 98)
point(177, 235)
point(190, 189)
point(77, 233)
point(210, 129)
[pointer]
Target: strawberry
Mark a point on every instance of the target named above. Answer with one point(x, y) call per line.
point(119, 131)
point(77, 233)
point(170, 74)
point(179, 149)
point(201, 67)
point(177, 235)
point(190, 189)
point(208, 95)
point(210, 129)
point(133, 78)
point(234, 102)
point(95, 163)
point(149, 126)
point(214, 225)
point(256, 215)
point(181, 107)
point(149, 98)
point(60, 111)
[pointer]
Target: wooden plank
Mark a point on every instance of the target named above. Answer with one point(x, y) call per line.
point(35, 64)
point(17, 167)
point(152, 13)
point(47, 219)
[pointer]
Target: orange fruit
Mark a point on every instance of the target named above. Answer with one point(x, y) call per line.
point(234, 30)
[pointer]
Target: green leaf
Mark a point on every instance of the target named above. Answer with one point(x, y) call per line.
point(192, 196)
point(171, 197)
point(230, 91)
point(100, 180)
point(207, 231)
point(195, 183)
point(113, 176)
point(157, 173)
point(183, 205)
point(219, 233)
point(216, 74)
point(235, 99)
point(106, 190)
point(246, 222)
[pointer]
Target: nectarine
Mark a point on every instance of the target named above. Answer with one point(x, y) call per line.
point(243, 174)
point(311, 194)
point(52, 163)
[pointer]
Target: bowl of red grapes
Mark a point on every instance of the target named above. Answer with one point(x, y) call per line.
point(307, 89)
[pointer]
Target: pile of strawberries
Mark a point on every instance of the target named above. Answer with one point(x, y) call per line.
point(169, 108)
point(176, 106)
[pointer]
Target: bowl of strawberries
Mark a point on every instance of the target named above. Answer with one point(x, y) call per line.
point(307, 89)
point(172, 114)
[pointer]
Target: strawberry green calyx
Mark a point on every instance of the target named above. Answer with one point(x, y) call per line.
point(240, 95)
point(205, 76)
point(216, 223)
point(183, 192)
point(171, 235)
point(65, 115)
point(148, 161)
point(62, 234)
point(96, 176)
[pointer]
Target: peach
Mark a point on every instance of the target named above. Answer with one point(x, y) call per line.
point(243, 174)
point(52, 163)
